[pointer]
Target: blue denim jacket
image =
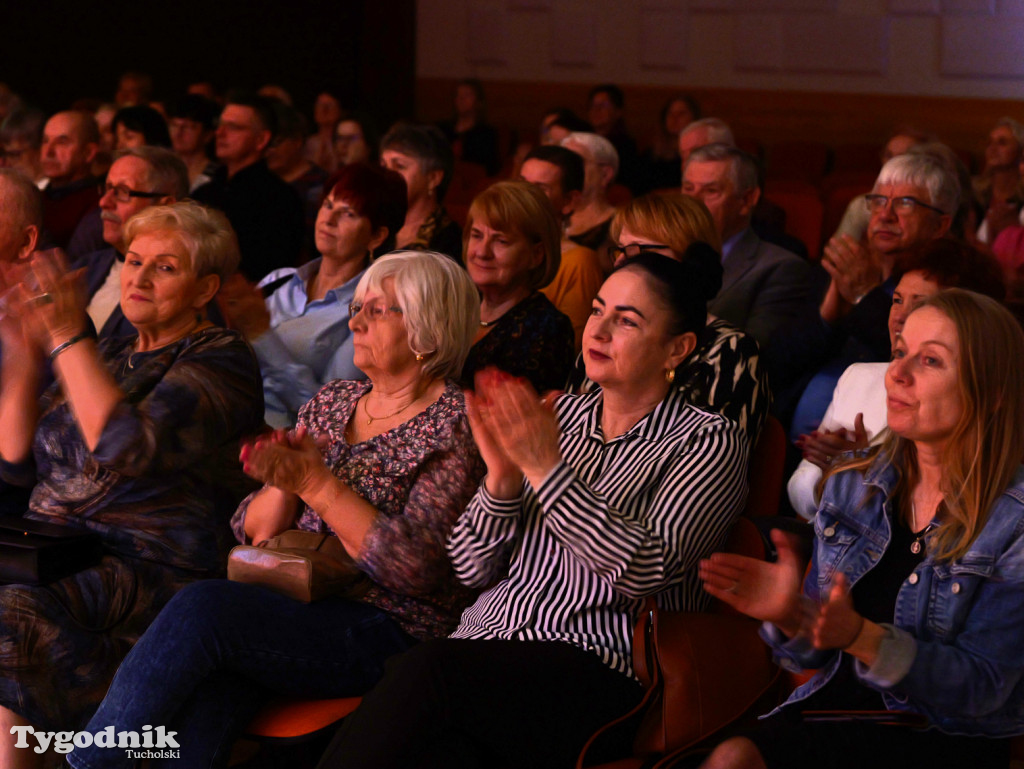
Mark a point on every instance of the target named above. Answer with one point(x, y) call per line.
point(955, 650)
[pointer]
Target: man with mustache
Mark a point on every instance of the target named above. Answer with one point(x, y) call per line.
point(139, 178)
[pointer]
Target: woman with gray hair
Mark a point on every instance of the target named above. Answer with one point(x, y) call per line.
point(593, 216)
point(387, 465)
point(133, 443)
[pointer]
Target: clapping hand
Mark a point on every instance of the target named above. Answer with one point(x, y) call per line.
point(516, 432)
point(838, 624)
point(854, 269)
point(56, 313)
point(243, 306)
point(821, 447)
point(760, 589)
point(287, 459)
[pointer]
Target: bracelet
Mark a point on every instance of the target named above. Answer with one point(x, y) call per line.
point(65, 345)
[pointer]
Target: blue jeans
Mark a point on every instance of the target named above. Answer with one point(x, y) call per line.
point(219, 650)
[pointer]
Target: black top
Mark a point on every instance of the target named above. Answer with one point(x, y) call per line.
point(532, 340)
point(266, 213)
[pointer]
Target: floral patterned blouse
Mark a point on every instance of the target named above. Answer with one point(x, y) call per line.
point(420, 476)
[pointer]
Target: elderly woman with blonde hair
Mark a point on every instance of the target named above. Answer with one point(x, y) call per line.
point(133, 442)
point(386, 465)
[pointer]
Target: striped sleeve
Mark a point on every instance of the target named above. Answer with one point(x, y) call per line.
point(645, 550)
point(481, 542)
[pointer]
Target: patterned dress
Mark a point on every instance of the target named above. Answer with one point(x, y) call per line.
point(156, 490)
point(532, 340)
point(419, 476)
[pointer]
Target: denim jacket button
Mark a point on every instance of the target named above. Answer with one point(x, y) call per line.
point(912, 579)
point(829, 531)
point(955, 588)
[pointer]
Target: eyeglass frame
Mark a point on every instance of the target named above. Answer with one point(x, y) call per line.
point(124, 194)
point(874, 202)
point(374, 310)
point(641, 248)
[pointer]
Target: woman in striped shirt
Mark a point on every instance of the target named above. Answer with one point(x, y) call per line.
point(583, 514)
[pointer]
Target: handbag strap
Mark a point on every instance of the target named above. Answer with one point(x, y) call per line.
point(646, 669)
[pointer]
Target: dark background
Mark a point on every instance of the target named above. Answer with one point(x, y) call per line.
point(53, 53)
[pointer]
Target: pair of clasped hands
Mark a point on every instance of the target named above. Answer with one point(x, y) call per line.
point(40, 300)
point(515, 431)
point(771, 592)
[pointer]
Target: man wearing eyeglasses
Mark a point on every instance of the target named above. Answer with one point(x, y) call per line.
point(914, 201)
point(139, 178)
point(265, 211)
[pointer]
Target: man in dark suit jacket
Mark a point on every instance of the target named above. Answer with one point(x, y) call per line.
point(763, 286)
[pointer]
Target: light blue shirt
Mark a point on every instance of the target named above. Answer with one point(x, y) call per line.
point(308, 345)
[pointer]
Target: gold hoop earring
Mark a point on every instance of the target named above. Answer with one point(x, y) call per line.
point(670, 375)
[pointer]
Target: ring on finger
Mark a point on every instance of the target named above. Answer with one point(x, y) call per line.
point(44, 298)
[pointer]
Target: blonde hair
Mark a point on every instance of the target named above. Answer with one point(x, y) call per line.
point(440, 306)
point(987, 445)
point(520, 207)
point(672, 219)
point(204, 232)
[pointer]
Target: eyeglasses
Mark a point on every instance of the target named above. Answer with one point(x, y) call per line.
point(905, 204)
point(633, 250)
point(123, 193)
point(347, 138)
point(374, 310)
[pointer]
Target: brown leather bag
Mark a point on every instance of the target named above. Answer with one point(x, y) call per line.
point(706, 670)
point(303, 565)
point(701, 670)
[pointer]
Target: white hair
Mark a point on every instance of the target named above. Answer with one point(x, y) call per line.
point(601, 150)
point(718, 130)
point(440, 305)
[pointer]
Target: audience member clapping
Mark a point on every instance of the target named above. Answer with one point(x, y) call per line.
point(511, 250)
point(724, 375)
point(134, 442)
point(583, 514)
point(386, 465)
point(855, 418)
point(910, 601)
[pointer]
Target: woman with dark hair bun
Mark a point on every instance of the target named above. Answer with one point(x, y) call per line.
point(724, 374)
point(300, 330)
point(586, 510)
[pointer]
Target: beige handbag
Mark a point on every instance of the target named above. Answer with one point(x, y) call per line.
point(303, 565)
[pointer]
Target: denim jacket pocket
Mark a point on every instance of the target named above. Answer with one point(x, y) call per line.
point(833, 540)
point(951, 594)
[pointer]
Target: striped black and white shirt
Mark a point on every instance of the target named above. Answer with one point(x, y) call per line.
point(613, 523)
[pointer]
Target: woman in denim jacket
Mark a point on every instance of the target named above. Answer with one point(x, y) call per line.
point(914, 601)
